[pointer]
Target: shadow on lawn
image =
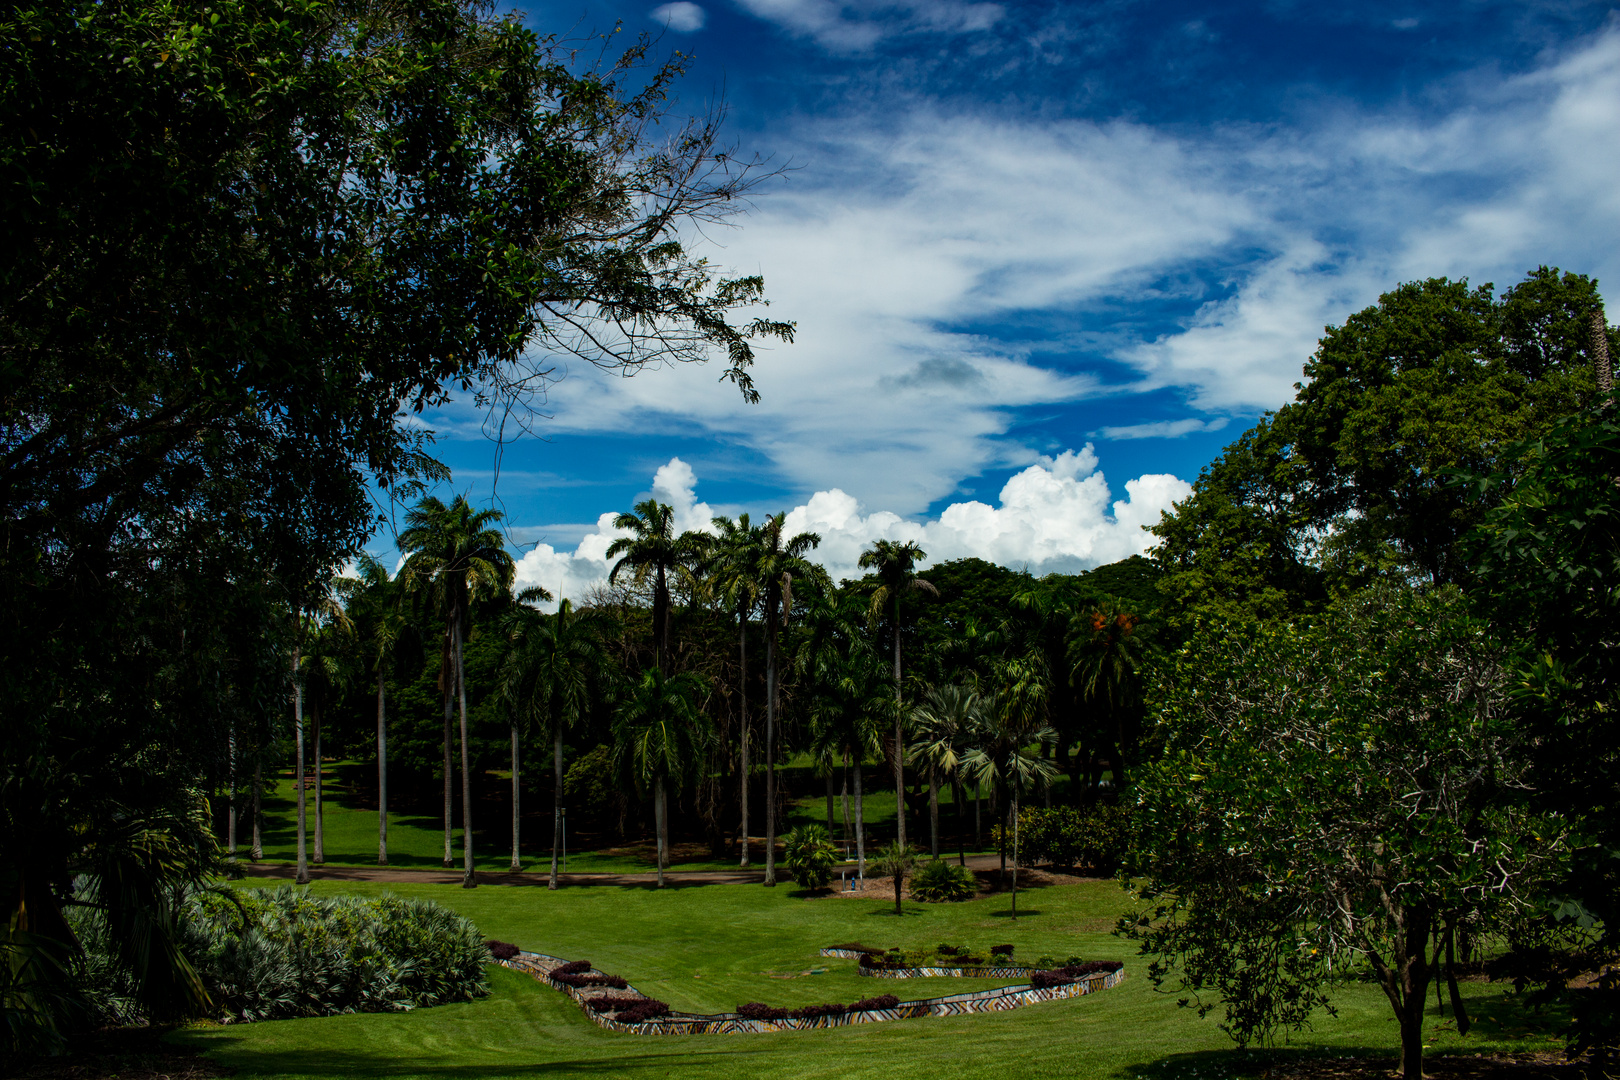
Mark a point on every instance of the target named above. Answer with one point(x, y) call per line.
point(343, 1063)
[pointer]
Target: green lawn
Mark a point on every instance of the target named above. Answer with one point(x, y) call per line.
point(710, 948)
point(416, 841)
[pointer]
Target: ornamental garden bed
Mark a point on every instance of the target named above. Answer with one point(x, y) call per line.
point(960, 961)
point(614, 1004)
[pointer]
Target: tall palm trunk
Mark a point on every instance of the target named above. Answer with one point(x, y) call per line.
point(1001, 804)
point(320, 833)
point(958, 797)
point(742, 711)
point(382, 770)
point(844, 798)
point(1015, 857)
point(517, 866)
point(449, 766)
point(556, 803)
point(467, 879)
point(230, 828)
point(830, 785)
point(298, 768)
point(770, 752)
point(899, 736)
point(978, 822)
point(860, 828)
point(257, 851)
point(661, 813)
point(933, 811)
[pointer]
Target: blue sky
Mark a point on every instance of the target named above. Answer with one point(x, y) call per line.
point(1048, 259)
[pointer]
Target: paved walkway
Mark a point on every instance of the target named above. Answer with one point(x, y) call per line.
point(648, 879)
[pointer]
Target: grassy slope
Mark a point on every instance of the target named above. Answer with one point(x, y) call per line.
point(709, 948)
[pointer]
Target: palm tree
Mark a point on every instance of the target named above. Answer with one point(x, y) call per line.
point(655, 551)
point(324, 674)
point(322, 605)
point(452, 552)
point(1105, 653)
point(896, 859)
point(374, 601)
point(896, 566)
point(737, 581)
point(780, 560)
point(551, 670)
point(945, 725)
point(848, 702)
point(1011, 722)
point(660, 735)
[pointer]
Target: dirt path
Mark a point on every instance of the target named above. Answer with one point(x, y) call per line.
point(646, 880)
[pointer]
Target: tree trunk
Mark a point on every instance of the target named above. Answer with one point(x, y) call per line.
point(468, 881)
point(1001, 875)
point(958, 797)
point(933, 811)
point(298, 768)
point(257, 852)
point(517, 864)
point(978, 822)
point(230, 829)
point(898, 878)
point(320, 831)
point(742, 712)
point(844, 798)
point(449, 766)
point(382, 770)
point(1405, 982)
point(661, 813)
point(860, 826)
point(556, 805)
point(1600, 354)
point(830, 793)
point(899, 737)
point(1014, 808)
point(770, 751)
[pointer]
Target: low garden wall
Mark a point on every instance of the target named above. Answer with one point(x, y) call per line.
point(1000, 999)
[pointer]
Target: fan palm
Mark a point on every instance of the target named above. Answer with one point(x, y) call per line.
point(1011, 723)
point(896, 566)
point(374, 598)
point(1105, 648)
point(736, 579)
point(455, 555)
point(781, 559)
point(944, 726)
point(653, 550)
point(661, 735)
point(553, 666)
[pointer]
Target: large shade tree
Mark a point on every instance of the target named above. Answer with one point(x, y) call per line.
point(455, 556)
point(1334, 791)
point(237, 249)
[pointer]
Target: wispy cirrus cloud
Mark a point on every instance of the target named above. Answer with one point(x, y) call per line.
point(857, 25)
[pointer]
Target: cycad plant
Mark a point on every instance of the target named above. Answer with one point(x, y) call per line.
point(809, 855)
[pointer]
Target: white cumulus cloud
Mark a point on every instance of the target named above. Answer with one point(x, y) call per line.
point(1057, 515)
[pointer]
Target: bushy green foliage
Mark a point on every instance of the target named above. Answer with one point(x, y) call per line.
point(1096, 837)
point(809, 856)
point(940, 881)
point(269, 955)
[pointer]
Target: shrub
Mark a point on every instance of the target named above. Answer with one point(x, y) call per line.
point(1003, 951)
point(756, 1010)
point(855, 946)
point(882, 1001)
point(265, 955)
point(809, 856)
point(579, 981)
point(1096, 837)
point(942, 881)
point(573, 967)
point(647, 1009)
point(1062, 976)
point(502, 950)
point(949, 950)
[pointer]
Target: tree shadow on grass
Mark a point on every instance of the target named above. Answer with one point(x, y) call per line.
point(341, 1063)
point(1023, 913)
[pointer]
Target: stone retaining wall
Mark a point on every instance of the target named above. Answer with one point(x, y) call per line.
point(1000, 999)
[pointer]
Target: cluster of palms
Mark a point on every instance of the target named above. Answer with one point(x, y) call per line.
point(993, 714)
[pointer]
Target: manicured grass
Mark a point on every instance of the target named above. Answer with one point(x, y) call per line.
point(710, 948)
point(416, 841)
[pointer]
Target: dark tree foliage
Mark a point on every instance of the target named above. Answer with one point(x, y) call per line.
point(236, 240)
point(1349, 483)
